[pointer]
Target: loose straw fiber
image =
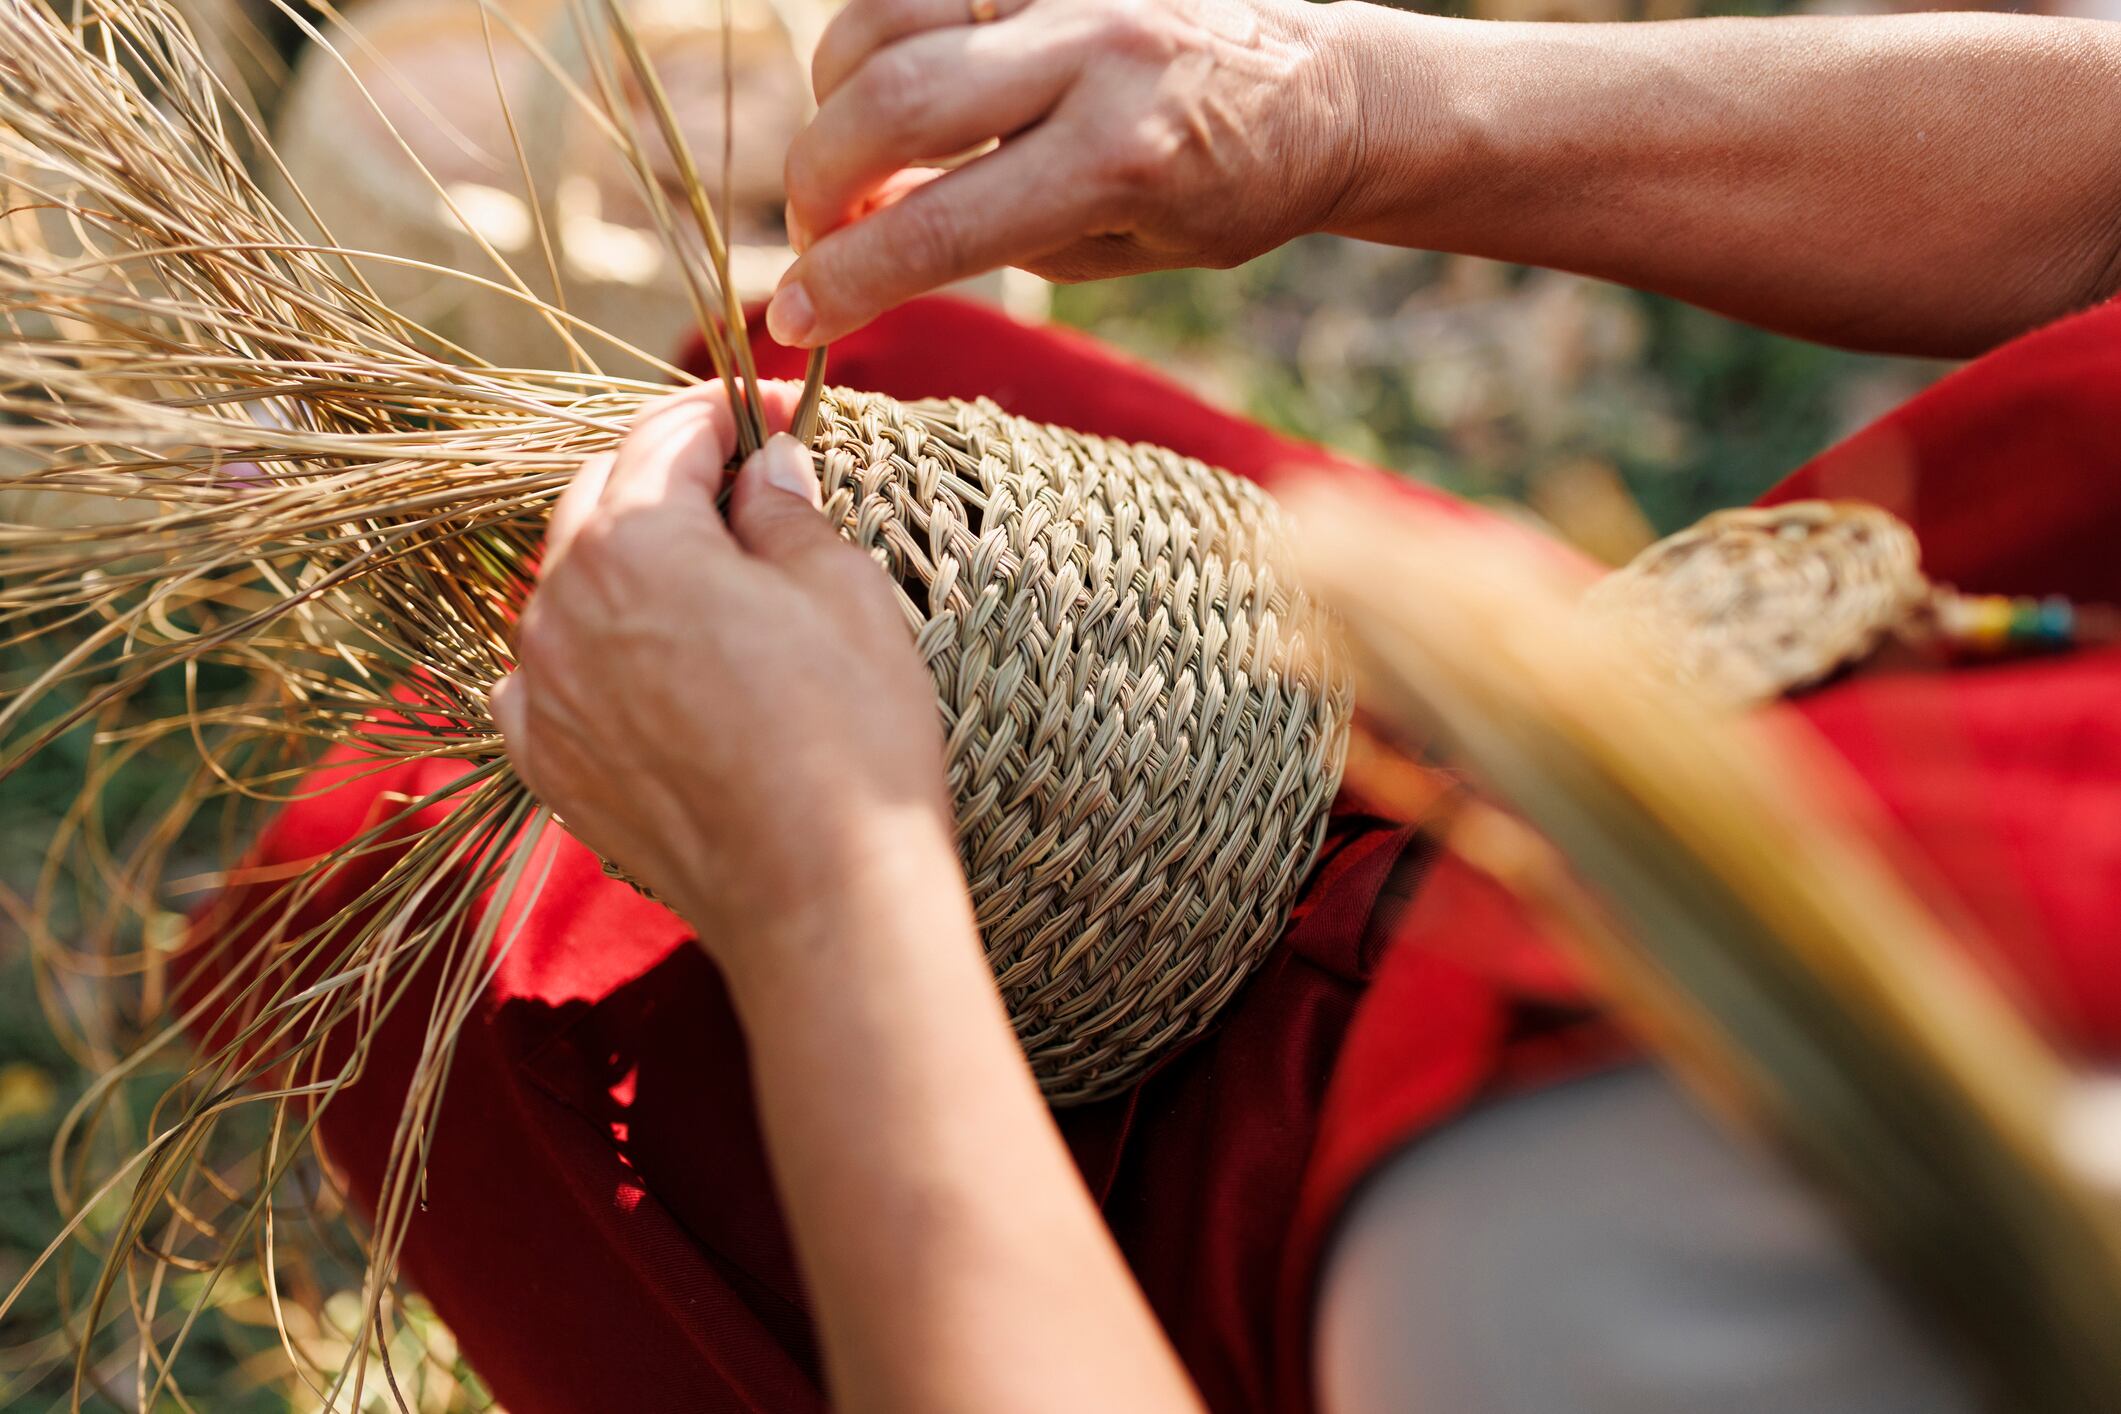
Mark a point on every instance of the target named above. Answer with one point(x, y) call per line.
point(314, 523)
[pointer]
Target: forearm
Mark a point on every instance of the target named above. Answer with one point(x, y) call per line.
point(1926, 183)
point(955, 1259)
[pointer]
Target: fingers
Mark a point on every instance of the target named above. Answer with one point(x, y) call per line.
point(865, 26)
point(575, 504)
point(931, 96)
point(774, 506)
point(894, 188)
point(674, 454)
point(777, 399)
point(510, 710)
point(505, 701)
point(1101, 258)
point(1008, 208)
point(679, 447)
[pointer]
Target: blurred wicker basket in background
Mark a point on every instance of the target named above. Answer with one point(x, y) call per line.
point(423, 71)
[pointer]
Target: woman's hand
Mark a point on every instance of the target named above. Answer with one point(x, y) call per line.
point(1134, 135)
point(1911, 183)
point(731, 711)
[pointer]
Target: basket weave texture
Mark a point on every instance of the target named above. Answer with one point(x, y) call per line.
point(1755, 602)
point(1145, 720)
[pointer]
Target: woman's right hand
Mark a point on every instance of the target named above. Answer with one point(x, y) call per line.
point(1134, 135)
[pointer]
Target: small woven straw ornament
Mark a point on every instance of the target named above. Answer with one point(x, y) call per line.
point(1754, 603)
point(1145, 722)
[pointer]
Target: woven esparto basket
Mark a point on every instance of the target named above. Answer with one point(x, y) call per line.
point(1145, 719)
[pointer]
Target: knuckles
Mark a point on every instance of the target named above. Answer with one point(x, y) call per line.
point(929, 238)
point(541, 648)
point(630, 541)
point(617, 567)
point(891, 87)
point(885, 17)
point(1140, 30)
point(1135, 166)
point(884, 101)
point(1138, 156)
point(802, 177)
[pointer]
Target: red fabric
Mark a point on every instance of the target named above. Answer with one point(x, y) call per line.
point(599, 1229)
point(950, 348)
point(2006, 778)
point(2006, 469)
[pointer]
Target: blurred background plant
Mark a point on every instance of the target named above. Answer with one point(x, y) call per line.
point(1609, 415)
point(1612, 415)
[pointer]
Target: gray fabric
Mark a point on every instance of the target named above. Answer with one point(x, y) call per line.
point(1599, 1248)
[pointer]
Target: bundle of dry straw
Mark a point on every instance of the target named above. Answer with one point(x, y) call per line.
point(250, 487)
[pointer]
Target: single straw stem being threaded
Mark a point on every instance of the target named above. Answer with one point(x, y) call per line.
point(744, 401)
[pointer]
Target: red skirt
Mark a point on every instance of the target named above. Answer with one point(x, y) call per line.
point(599, 1228)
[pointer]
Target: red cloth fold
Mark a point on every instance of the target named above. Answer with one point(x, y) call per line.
point(599, 1229)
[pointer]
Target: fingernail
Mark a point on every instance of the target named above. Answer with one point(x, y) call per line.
point(798, 234)
point(786, 467)
point(790, 317)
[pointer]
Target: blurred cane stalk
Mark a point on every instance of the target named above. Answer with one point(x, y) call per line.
point(1720, 877)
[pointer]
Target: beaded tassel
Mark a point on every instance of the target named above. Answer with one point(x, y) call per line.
point(1990, 625)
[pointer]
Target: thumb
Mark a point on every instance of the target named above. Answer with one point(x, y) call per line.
point(511, 717)
point(774, 506)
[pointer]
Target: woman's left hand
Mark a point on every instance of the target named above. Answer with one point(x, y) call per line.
point(735, 714)
point(730, 710)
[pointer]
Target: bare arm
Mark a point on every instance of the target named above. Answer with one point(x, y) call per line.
point(1922, 183)
point(803, 826)
point(1919, 183)
point(957, 1262)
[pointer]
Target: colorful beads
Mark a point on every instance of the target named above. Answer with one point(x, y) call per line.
point(1992, 624)
point(1996, 623)
point(2058, 623)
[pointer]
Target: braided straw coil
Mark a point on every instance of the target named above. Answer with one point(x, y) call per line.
point(1752, 603)
point(1145, 722)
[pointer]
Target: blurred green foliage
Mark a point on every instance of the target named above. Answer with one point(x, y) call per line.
point(40, 1078)
point(1486, 379)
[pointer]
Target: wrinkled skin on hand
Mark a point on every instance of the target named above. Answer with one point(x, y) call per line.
point(731, 710)
point(1133, 135)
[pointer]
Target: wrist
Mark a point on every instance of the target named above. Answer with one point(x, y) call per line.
point(892, 987)
point(1396, 114)
point(859, 906)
